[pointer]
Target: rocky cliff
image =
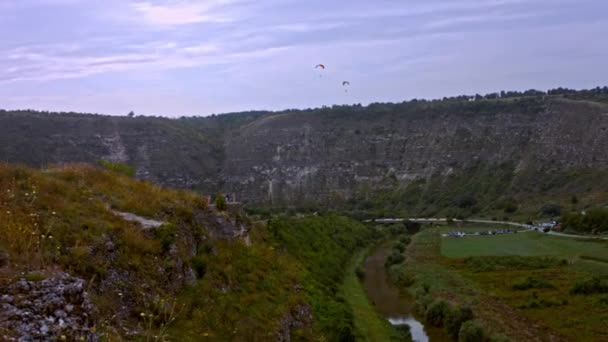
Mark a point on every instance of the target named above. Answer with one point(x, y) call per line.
point(299, 157)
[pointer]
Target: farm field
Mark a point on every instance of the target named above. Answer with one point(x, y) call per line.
point(523, 244)
point(519, 285)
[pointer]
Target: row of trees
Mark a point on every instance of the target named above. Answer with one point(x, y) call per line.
point(594, 221)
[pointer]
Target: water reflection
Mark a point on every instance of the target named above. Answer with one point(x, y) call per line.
point(389, 302)
point(416, 328)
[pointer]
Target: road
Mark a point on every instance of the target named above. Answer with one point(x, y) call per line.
point(515, 224)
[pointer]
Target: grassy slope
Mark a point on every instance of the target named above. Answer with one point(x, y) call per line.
point(324, 245)
point(368, 324)
point(58, 218)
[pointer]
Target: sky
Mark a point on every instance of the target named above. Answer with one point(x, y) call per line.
point(198, 57)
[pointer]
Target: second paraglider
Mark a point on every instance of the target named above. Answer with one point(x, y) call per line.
point(346, 84)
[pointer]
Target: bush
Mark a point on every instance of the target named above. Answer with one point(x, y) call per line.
point(471, 331)
point(535, 303)
point(499, 338)
point(360, 273)
point(436, 312)
point(532, 283)
point(602, 300)
point(400, 277)
point(166, 235)
point(220, 203)
point(506, 263)
point(3, 258)
point(455, 318)
point(394, 259)
point(119, 168)
point(399, 247)
point(551, 209)
point(199, 265)
point(405, 239)
point(590, 286)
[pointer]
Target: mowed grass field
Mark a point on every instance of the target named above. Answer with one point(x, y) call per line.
point(522, 244)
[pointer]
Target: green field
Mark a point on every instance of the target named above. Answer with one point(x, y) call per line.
point(522, 244)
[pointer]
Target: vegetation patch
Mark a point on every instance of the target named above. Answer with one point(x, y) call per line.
point(590, 286)
point(532, 283)
point(511, 263)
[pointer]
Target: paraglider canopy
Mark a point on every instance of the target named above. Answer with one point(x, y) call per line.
point(322, 66)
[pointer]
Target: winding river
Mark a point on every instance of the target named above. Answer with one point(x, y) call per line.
point(390, 303)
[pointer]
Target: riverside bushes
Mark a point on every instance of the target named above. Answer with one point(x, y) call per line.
point(533, 283)
point(509, 263)
point(471, 331)
point(590, 286)
point(324, 246)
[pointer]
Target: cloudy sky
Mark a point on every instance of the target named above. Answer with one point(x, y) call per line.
point(197, 57)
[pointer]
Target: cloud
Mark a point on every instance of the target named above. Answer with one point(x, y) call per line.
point(181, 12)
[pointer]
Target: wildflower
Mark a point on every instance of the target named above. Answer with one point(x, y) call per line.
point(54, 213)
point(142, 314)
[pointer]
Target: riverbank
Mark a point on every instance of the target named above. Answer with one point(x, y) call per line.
point(369, 325)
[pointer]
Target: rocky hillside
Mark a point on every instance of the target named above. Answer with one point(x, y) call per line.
point(329, 154)
point(88, 254)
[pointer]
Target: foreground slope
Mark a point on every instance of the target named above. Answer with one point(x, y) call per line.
point(88, 253)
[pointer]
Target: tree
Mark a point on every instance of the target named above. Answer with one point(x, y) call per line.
point(131, 114)
point(574, 199)
point(220, 202)
point(470, 331)
point(455, 318)
point(551, 209)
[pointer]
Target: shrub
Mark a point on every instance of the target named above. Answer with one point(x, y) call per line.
point(200, 266)
point(490, 264)
point(166, 235)
point(551, 209)
point(471, 331)
point(436, 312)
point(532, 283)
point(360, 273)
point(3, 258)
point(602, 300)
point(119, 168)
point(590, 286)
point(220, 203)
point(402, 333)
point(455, 318)
point(499, 338)
point(399, 247)
point(394, 259)
point(535, 303)
point(405, 239)
point(400, 277)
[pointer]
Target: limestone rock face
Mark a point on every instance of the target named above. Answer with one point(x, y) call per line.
point(51, 309)
point(313, 156)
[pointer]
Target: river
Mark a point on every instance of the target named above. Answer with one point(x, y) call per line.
point(390, 303)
